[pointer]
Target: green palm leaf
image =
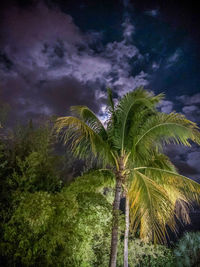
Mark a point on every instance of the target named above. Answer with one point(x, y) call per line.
point(189, 188)
point(125, 111)
point(150, 207)
point(158, 195)
point(84, 141)
point(87, 115)
point(169, 128)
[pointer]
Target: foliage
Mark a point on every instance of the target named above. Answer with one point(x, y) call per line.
point(68, 228)
point(36, 172)
point(33, 164)
point(27, 165)
point(147, 254)
point(187, 250)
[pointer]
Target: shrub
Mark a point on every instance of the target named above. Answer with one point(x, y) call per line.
point(187, 251)
point(147, 254)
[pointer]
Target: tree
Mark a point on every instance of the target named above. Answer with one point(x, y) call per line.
point(27, 165)
point(187, 250)
point(42, 221)
point(134, 131)
point(66, 228)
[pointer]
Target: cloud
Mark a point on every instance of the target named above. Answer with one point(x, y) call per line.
point(54, 64)
point(125, 84)
point(152, 12)
point(119, 77)
point(166, 106)
point(193, 159)
point(173, 58)
point(185, 159)
point(28, 27)
point(191, 106)
point(128, 29)
point(189, 100)
point(48, 64)
point(190, 109)
point(155, 66)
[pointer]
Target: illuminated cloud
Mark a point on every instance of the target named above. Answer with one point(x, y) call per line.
point(166, 106)
point(48, 51)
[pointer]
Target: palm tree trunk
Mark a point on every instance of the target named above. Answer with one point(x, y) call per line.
point(115, 223)
point(126, 232)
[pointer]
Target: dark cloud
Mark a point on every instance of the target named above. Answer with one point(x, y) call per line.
point(189, 99)
point(187, 170)
point(36, 77)
point(26, 28)
point(190, 106)
point(46, 97)
point(186, 160)
point(67, 91)
point(5, 62)
point(53, 64)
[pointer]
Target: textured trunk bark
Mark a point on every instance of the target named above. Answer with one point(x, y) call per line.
point(126, 232)
point(115, 223)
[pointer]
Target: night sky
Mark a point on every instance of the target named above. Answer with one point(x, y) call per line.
point(54, 54)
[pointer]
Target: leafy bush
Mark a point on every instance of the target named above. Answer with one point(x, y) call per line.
point(147, 254)
point(187, 251)
point(67, 228)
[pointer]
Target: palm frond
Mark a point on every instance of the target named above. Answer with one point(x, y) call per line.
point(139, 117)
point(188, 188)
point(151, 208)
point(88, 116)
point(176, 193)
point(124, 113)
point(163, 129)
point(171, 127)
point(83, 140)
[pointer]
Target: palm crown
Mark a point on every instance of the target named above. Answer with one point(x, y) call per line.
point(134, 128)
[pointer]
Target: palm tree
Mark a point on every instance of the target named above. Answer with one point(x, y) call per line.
point(135, 131)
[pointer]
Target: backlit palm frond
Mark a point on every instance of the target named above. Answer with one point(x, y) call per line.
point(83, 140)
point(87, 115)
point(182, 204)
point(158, 161)
point(139, 117)
point(161, 161)
point(175, 189)
point(125, 110)
point(186, 186)
point(150, 208)
point(163, 129)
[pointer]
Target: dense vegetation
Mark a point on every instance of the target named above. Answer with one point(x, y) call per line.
point(44, 221)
